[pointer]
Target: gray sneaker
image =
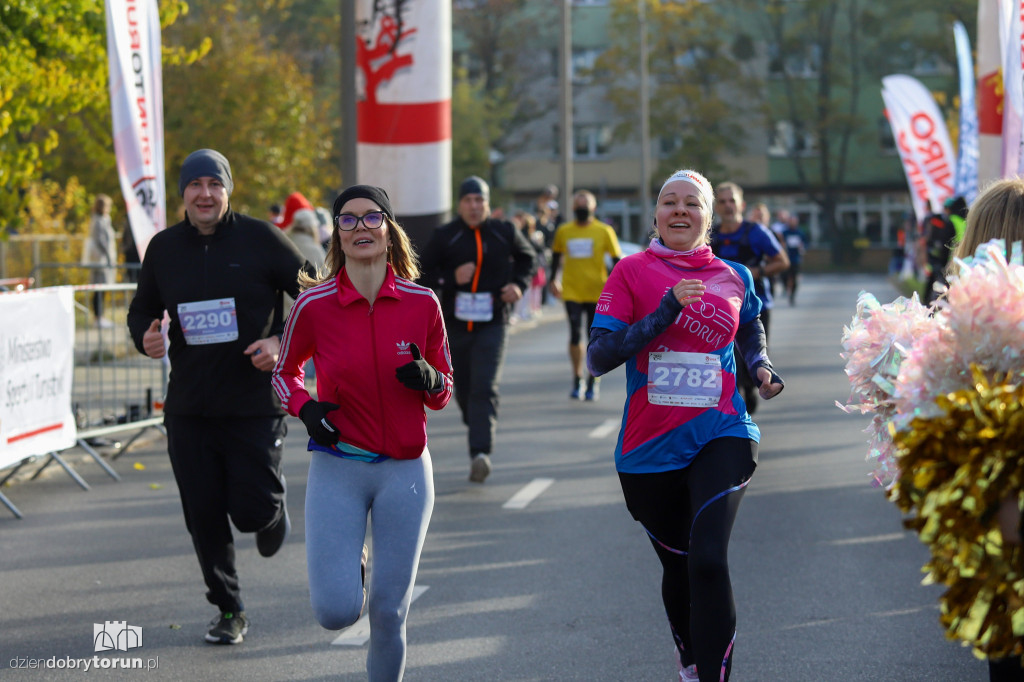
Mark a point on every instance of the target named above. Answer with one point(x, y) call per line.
point(479, 467)
point(228, 628)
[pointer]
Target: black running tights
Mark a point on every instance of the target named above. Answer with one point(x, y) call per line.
point(688, 514)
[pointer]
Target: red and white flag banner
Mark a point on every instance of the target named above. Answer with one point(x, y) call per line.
point(136, 100)
point(403, 55)
point(993, 22)
point(923, 142)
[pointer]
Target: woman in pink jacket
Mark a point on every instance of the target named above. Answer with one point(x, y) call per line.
point(380, 350)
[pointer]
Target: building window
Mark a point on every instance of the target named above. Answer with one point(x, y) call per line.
point(803, 61)
point(788, 138)
point(592, 140)
point(669, 144)
point(583, 61)
point(885, 139)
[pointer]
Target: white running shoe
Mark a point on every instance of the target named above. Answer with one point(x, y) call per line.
point(686, 673)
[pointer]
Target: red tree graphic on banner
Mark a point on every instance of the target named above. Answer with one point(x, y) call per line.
point(380, 62)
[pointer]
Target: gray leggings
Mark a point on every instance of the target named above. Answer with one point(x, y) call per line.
point(339, 495)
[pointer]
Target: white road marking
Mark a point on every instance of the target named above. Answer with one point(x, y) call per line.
point(358, 633)
point(528, 493)
point(888, 537)
point(607, 427)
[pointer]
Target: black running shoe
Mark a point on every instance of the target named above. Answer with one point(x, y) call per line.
point(228, 628)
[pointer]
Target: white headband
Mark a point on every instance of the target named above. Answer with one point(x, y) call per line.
point(697, 180)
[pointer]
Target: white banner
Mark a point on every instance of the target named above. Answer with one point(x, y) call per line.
point(1013, 94)
point(37, 342)
point(923, 142)
point(136, 100)
point(967, 155)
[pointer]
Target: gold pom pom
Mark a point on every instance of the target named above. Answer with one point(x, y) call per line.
point(957, 469)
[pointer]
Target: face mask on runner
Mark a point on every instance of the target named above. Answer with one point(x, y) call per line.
point(582, 213)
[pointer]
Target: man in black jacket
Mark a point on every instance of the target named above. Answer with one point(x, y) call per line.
point(219, 275)
point(482, 266)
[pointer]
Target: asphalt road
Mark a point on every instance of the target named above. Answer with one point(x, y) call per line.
point(827, 583)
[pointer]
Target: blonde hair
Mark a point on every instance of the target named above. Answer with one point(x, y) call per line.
point(401, 256)
point(698, 180)
point(997, 213)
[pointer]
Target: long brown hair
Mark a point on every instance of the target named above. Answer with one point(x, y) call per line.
point(997, 213)
point(401, 256)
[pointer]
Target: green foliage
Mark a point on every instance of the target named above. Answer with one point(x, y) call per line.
point(55, 125)
point(52, 66)
point(481, 118)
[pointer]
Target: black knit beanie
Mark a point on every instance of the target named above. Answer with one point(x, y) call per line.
point(374, 194)
point(205, 163)
point(475, 185)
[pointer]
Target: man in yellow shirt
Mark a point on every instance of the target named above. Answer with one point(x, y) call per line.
point(582, 245)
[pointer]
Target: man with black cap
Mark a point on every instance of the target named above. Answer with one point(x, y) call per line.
point(219, 276)
point(482, 266)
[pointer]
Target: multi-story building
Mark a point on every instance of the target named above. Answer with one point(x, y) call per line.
point(874, 197)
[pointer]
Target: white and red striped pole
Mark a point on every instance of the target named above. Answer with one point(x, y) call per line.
point(404, 139)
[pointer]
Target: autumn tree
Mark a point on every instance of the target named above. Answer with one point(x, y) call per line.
point(697, 85)
point(52, 67)
point(252, 104)
point(503, 48)
point(55, 108)
point(824, 57)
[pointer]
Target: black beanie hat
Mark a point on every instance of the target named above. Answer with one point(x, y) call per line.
point(475, 185)
point(374, 194)
point(205, 163)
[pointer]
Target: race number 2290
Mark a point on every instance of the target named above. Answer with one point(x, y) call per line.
point(205, 322)
point(684, 379)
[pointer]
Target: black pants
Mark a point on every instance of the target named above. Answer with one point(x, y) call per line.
point(689, 515)
point(477, 360)
point(575, 313)
point(937, 276)
point(792, 280)
point(228, 470)
point(1005, 670)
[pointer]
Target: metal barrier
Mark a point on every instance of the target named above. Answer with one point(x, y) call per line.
point(16, 283)
point(115, 389)
point(58, 274)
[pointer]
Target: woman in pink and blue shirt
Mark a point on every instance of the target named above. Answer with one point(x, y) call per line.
point(687, 447)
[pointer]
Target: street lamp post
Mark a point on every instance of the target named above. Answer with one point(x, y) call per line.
point(349, 117)
point(645, 125)
point(565, 102)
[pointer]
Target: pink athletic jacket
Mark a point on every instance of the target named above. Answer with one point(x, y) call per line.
point(356, 348)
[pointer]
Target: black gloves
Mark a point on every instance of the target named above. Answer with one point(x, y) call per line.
point(314, 415)
point(418, 374)
point(775, 379)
